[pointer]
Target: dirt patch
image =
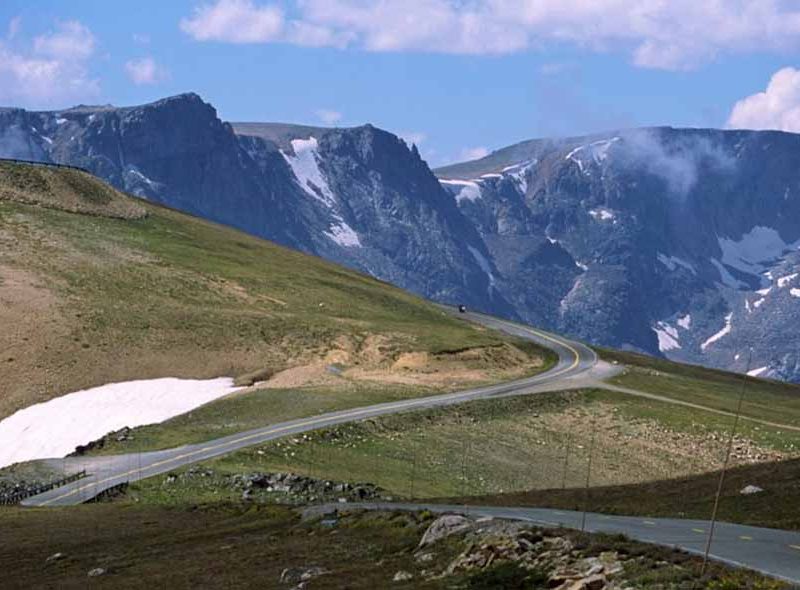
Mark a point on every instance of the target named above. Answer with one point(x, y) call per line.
point(467, 366)
point(303, 376)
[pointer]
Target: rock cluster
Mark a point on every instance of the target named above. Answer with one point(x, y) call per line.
point(284, 487)
point(303, 488)
point(494, 542)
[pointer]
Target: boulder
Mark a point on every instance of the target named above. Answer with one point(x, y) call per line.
point(402, 576)
point(750, 490)
point(444, 526)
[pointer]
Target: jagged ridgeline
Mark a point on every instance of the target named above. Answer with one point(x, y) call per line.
point(675, 242)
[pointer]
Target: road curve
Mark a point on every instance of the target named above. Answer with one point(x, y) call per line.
point(773, 552)
point(574, 360)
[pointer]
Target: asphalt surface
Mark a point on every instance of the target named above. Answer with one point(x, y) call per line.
point(577, 367)
point(773, 552)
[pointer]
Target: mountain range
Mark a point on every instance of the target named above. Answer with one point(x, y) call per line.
point(674, 242)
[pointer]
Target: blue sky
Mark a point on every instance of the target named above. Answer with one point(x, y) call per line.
point(458, 76)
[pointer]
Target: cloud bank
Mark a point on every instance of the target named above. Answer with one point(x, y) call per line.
point(778, 107)
point(674, 35)
point(53, 67)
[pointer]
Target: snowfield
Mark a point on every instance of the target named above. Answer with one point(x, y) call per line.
point(54, 428)
point(305, 165)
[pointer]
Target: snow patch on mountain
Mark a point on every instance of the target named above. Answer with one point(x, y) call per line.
point(750, 254)
point(673, 262)
point(305, 166)
point(783, 281)
point(668, 338)
point(596, 152)
point(685, 322)
point(602, 214)
point(467, 190)
point(343, 234)
point(721, 334)
point(758, 372)
point(794, 292)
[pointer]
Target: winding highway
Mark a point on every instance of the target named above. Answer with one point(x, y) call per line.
point(773, 552)
point(577, 366)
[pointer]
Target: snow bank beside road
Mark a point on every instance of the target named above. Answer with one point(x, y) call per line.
point(54, 428)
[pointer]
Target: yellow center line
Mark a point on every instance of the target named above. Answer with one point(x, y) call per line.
point(649, 522)
point(313, 421)
point(701, 531)
point(745, 537)
point(797, 547)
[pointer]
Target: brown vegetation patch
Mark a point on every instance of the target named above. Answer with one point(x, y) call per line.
point(69, 190)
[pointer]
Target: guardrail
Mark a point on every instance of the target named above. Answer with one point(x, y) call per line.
point(18, 497)
point(108, 493)
point(43, 164)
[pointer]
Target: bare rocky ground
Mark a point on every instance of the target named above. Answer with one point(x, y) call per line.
point(460, 552)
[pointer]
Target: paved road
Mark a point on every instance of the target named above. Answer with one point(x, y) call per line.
point(577, 367)
point(773, 552)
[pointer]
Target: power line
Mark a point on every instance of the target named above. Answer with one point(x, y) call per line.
point(725, 466)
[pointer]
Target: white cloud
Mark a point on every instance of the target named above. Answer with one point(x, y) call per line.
point(72, 41)
point(474, 153)
point(145, 71)
point(54, 67)
point(778, 107)
point(234, 21)
point(141, 38)
point(674, 34)
point(328, 116)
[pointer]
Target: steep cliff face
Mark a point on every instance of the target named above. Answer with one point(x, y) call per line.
point(685, 241)
point(372, 203)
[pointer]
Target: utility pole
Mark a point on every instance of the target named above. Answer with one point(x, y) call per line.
point(725, 465)
point(566, 461)
point(588, 478)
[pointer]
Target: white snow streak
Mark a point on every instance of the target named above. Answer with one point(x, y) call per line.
point(668, 338)
point(758, 371)
point(484, 264)
point(685, 322)
point(54, 428)
point(602, 214)
point(305, 165)
point(672, 262)
point(783, 281)
point(343, 234)
point(724, 332)
point(597, 151)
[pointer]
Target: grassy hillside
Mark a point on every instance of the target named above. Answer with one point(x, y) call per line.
point(686, 497)
point(123, 290)
point(497, 446)
point(766, 400)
